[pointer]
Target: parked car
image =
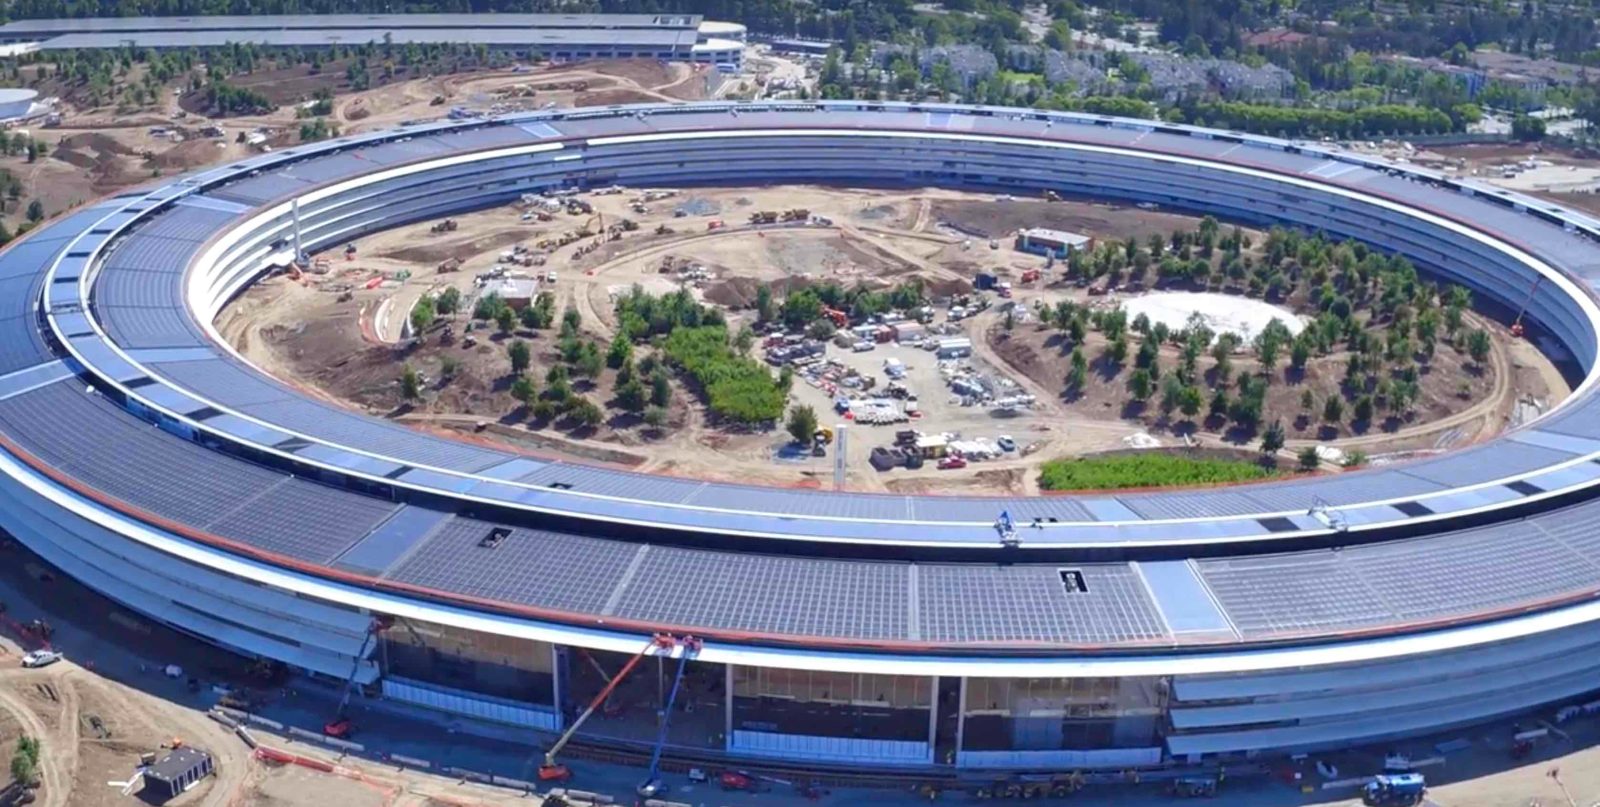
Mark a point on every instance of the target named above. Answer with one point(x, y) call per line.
point(951, 463)
point(42, 658)
point(1006, 443)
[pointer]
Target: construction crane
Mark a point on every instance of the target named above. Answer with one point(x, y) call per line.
point(551, 771)
point(1516, 324)
point(652, 785)
point(340, 726)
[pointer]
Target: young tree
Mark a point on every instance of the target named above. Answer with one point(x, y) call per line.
point(423, 314)
point(1117, 352)
point(621, 352)
point(449, 301)
point(764, 305)
point(1171, 394)
point(1308, 402)
point(1300, 351)
point(410, 383)
point(524, 390)
point(1190, 401)
point(1478, 346)
point(1219, 402)
point(23, 768)
point(506, 319)
point(655, 417)
point(1362, 410)
point(585, 413)
point(35, 211)
point(520, 355)
point(1147, 355)
point(631, 396)
point(660, 388)
point(1309, 459)
point(1079, 375)
point(589, 361)
point(1333, 409)
point(802, 424)
point(1272, 439)
point(1140, 385)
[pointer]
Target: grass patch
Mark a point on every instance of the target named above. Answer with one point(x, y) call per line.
point(1145, 469)
point(1019, 77)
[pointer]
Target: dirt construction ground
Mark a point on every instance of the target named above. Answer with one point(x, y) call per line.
point(334, 332)
point(100, 150)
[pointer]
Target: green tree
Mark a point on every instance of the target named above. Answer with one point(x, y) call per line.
point(23, 768)
point(410, 383)
point(1527, 129)
point(1117, 352)
point(1190, 401)
point(660, 388)
point(621, 352)
point(801, 309)
point(35, 211)
point(1171, 393)
point(1478, 346)
point(765, 307)
point(1333, 409)
point(1309, 459)
point(589, 360)
point(1272, 438)
point(802, 424)
point(1139, 384)
point(631, 396)
point(422, 314)
point(449, 301)
point(1078, 377)
point(506, 319)
point(584, 412)
point(524, 390)
point(521, 356)
point(1362, 411)
point(1300, 352)
point(655, 417)
point(1220, 402)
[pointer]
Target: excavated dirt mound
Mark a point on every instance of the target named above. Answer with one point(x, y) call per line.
point(186, 155)
point(740, 292)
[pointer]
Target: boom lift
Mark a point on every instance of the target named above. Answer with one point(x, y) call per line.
point(652, 785)
point(550, 771)
point(340, 726)
point(1516, 324)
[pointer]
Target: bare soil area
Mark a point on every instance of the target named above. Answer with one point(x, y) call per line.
point(987, 218)
point(335, 333)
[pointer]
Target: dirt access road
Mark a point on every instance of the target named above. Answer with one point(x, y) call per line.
point(92, 732)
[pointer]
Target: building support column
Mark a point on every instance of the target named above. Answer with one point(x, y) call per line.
point(558, 683)
point(727, 708)
point(294, 212)
point(961, 720)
